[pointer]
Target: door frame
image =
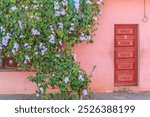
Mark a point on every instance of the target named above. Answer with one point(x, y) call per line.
point(135, 82)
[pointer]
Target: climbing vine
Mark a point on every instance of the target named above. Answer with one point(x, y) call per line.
point(39, 34)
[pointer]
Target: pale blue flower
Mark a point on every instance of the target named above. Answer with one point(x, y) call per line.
point(80, 77)
point(66, 80)
point(64, 3)
point(20, 24)
point(14, 8)
point(15, 48)
point(56, 5)
point(35, 32)
point(60, 25)
point(88, 2)
point(52, 39)
point(77, 4)
point(84, 92)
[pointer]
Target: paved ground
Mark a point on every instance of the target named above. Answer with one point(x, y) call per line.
point(98, 96)
point(122, 96)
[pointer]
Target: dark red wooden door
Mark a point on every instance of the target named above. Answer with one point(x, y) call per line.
point(126, 54)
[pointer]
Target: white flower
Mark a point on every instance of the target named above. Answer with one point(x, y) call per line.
point(63, 12)
point(43, 48)
point(35, 32)
point(57, 13)
point(88, 37)
point(36, 53)
point(15, 48)
point(20, 24)
point(75, 56)
point(66, 80)
point(60, 25)
point(35, 7)
point(21, 36)
point(27, 59)
point(39, 84)
point(56, 5)
point(31, 16)
point(80, 77)
point(88, 2)
point(38, 18)
point(95, 18)
point(27, 46)
point(84, 37)
point(2, 29)
point(64, 3)
point(72, 24)
point(84, 92)
point(52, 39)
point(41, 89)
point(100, 2)
point(51, 27)
point(58, 55)
point(100, 12)
point(71, 29)
point(14, 8)
point(35, 1)
point(37, 95)
point(60, 42)
point(77, 4)
point(25, 7)
point(5, 39)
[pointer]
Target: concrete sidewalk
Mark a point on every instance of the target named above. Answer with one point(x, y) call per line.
point(97, 96)
point(122, 96)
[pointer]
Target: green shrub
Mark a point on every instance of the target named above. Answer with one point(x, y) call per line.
point(39, 34)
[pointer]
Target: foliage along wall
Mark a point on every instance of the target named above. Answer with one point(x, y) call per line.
point(39, 34)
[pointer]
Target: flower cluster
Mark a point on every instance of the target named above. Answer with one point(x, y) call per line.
point(52, 39)
point(35, 32)
point(20, 24)
point(80, 77)
point(100, 2)
point(14, 8)
point(84, 37)
point(88, 2)
point(42, 48)
point(77, 4)
point(6, 39)
point(40, 35)
point(15, 48)
point(58, 10)
point(26, 45)
point(66, 80)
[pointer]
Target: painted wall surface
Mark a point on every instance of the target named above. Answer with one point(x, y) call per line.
point(16, 83)
point(101, 52)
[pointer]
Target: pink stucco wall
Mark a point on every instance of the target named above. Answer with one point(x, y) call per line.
point(101, 52)
point(16, 83)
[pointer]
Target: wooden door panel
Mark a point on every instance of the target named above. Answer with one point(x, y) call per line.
point(124, 30)
point(130, 37)
point(125, 55)
point(124, 43)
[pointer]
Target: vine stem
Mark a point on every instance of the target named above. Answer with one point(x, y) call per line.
point(91, 73)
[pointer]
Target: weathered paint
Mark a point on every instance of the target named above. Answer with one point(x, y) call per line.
point(126, 54)
point(101, 52)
